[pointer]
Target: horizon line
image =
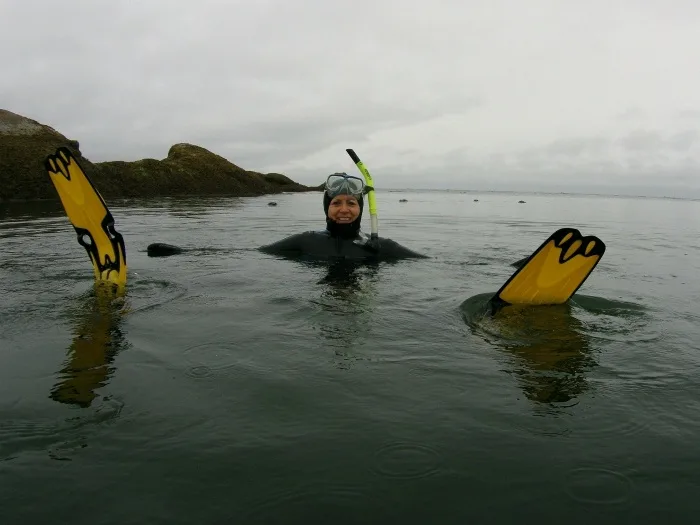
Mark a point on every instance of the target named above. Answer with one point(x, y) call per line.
point(542, 192)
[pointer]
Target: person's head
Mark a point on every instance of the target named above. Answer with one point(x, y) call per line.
point(343, 203)
point(344, 209)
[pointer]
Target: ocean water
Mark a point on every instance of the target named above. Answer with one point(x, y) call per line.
point(231, 386)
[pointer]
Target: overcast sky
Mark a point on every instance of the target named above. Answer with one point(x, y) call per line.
point(551, 95)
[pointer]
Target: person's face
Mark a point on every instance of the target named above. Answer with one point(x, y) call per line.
point(344, 209)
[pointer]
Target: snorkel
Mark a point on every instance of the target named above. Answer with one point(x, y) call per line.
point(374, 232)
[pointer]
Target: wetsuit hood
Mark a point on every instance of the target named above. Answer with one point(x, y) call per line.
point(347, 231)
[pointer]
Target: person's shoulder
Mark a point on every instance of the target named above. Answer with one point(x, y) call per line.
point(290, 243)
point(391, 248)
point(386, 242)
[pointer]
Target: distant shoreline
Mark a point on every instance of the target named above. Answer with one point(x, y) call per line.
point(534, 192)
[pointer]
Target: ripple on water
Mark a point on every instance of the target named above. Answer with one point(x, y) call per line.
point(598, 486)
point(199, 371)
point(618, 419)
point(617, 321)
point(145, 294)
point(584, 418)
point(404, 460)
point(546, 422)
point(214, 356)
point(316, 499)
point(60, 438)
point(647, 386)
point(621, 329)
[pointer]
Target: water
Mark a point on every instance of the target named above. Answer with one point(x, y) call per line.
point(234, 387)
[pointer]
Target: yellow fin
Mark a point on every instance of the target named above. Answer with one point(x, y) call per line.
point(90, 217)
point(554, 271)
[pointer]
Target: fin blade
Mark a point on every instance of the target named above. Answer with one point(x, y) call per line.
point(553, 273)
point(89, 215)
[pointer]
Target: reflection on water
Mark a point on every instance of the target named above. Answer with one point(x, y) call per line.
point(31, 211)
point(190, 206)
point(345, 279)
point(347, 300)
point(97, 340)
point(550, 348)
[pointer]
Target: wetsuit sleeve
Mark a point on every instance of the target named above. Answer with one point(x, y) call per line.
point(389, 249)
point(292, 245)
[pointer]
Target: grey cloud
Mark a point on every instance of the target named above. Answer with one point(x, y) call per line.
point(684, 140)
point(534, 92)
point(631, 114)
point(641, 141)
point(577, 146)
point(302, 133)
point(692, 114)
point(563, 166)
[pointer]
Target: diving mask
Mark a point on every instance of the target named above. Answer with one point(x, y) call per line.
point(342, 184)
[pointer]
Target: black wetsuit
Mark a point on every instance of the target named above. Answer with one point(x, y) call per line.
point(339, 242)
point(323, 245)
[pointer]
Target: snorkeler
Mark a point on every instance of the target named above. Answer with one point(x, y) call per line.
point(343, 203)
point(551, 275)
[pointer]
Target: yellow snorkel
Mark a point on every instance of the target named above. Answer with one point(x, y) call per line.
point(374, 233)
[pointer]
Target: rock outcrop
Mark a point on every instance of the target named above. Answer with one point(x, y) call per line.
point(187, 170)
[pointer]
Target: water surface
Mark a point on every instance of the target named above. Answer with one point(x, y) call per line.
point(233, 386)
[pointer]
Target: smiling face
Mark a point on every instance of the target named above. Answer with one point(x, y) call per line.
point(343, 209)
